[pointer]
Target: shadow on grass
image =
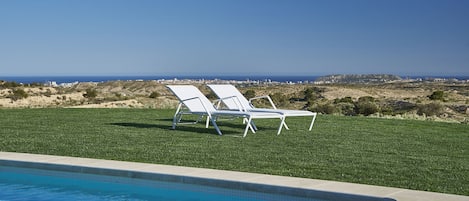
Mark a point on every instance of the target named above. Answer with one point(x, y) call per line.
point(232, 123)
point(184, 128)
point(236, 128)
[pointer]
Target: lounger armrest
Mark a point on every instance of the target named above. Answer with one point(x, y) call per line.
point(201, 102)
point(236, 100)
point(190, 99)
point(267, 97)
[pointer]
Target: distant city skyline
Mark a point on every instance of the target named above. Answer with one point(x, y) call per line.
point(234, 37)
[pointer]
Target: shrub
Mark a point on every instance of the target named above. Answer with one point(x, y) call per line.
point(343, 100)
point(10, 84)
point(325, 108)
point(312, 94)
point(346, 108)
point(431, 109)
point(250, 94)
point(387, 110)
point(90, 93)
point(154, 94)
point(393, 107)
point(366, 99)
point(437, 95)
point(366, 108)
point(279, 99)
point(17, 94)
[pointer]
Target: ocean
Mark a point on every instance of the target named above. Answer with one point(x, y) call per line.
point(71, 79)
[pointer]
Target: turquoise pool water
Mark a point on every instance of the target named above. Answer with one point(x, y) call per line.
point(39, 185)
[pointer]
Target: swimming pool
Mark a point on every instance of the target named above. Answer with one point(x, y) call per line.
point(45, 177)
point(34, 184)
point(271, 185)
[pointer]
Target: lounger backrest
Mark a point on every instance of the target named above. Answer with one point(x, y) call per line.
point(192, 98)
point(225, 91)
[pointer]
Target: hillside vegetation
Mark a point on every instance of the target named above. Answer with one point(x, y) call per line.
point(416, 100)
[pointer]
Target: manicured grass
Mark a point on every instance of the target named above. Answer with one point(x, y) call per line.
point(420, 155)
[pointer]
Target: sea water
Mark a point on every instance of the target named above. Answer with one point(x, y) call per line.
point(71, 79)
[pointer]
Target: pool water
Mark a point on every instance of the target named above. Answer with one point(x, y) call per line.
point(39, 185)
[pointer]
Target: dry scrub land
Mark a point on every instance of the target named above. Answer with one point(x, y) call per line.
point(416, 100)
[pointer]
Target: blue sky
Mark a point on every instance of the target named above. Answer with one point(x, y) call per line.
point(233, 37)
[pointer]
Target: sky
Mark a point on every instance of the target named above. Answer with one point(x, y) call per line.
point(233, 37)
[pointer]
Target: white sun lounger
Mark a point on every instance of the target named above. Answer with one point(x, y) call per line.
point(192, 101)
point(234, 100)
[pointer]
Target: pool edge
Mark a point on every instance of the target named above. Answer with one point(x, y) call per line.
point(228, 179)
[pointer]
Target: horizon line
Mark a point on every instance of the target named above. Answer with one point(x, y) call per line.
point(245, 75)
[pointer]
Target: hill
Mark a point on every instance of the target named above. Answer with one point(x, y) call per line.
point(358, 79)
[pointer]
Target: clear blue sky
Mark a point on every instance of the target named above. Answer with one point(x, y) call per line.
point(233, 37)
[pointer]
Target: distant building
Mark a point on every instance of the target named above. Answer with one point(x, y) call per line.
point(51, 84)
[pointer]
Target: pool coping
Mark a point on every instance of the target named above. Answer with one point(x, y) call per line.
point(223, 178)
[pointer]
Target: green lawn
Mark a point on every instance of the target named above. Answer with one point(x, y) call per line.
point(420, 155)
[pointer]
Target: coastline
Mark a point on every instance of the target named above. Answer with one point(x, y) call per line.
point(245, 78)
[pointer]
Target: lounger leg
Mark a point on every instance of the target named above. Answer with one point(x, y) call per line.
point(248, 125)
point(286, 126)
point(312, 122)
point(282, 123)
point(207, 122)
point(254, 127)
point(215, 125)
point(174, 122)
point(177, 116)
